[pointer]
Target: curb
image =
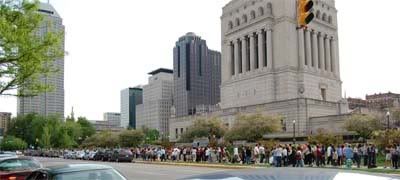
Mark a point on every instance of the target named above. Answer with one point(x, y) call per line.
point(197, 165)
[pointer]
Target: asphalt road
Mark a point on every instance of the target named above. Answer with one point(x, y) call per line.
point(140, 171)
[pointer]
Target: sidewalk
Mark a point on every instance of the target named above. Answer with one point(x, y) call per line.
point(206, 165)
point(240, 166)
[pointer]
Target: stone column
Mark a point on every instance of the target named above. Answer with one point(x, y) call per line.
point(269, 49)
point(230, 62)
point(328, 53)
point(300, 33)
point(335, 59)
point(308, 48)
point(261, 49)
point(252, 52)
point(244, 54)
point(321, 51)
point(315, 49)
point(237, 62)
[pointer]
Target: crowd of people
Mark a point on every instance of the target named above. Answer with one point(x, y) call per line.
point(282, 155)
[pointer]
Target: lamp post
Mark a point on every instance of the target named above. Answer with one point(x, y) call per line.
point(294, 132)
point(388, 118)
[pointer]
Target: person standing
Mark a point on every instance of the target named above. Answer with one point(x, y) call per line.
point(299, 157)
point(395, 156)
point(235, 158)
point(256, 152)
point(329, 154)
point(364, 150)
point(278, 154)
point(284, 156)
point(262, 154)
point(357, 155)
point(248, 155)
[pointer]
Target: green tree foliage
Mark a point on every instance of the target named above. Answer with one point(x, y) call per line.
point(49, 131)
point(209, 128)
point(131, 138)
point(11, 143)
point(326, 138)
point(363, 125)
point(386, 138)
point(46, 137)
point(151, 135)
point(25, 55)
point(104, 139)
point(86, 128)
point(253, 127)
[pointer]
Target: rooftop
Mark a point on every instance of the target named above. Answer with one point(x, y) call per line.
point(160, 70)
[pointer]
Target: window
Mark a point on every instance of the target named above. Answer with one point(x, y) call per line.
point(244, 18)
point(253, 14)
point(181, 130)
point(230, 25)
point(261, 11)
point(176, 133)
point(179, 61)
point(237, 22)
point(323, 94)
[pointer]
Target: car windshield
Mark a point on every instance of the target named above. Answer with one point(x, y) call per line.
point(106, 174)
point(18, 164)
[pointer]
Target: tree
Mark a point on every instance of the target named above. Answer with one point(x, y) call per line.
point(386, 138)
point(396, 117)
point(253, 127)
point(45, 140)
point(151, 135)
point(324, 137)
point(201, 128)
point(106, 139)
point(11, 143)
point(363, 125)
point(86, 128)
point(131, 138)
point(25, 54)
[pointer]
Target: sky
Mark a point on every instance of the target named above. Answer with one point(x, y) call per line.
point(112, 45)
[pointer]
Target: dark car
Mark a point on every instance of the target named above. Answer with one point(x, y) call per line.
point(107, 155)
point(122, 155)
point(99, 155)
point(17, 168)
point(77, 171)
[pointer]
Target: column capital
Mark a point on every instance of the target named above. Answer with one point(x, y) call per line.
point(251, 35)
point(259, 31)
point(243, 38)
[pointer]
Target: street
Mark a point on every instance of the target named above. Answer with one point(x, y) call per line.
point(139, 171)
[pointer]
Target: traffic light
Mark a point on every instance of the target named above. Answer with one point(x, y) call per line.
point(304, 14)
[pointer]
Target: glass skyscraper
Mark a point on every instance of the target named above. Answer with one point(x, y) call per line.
point(52, 102)
point(130, 97)
point(197, 75)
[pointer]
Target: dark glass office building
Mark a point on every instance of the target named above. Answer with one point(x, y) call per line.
point(130, 97)
point(197, 75)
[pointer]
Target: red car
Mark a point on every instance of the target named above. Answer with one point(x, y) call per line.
point(17, 168)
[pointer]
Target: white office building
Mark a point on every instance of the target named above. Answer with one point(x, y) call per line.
point(155, 111)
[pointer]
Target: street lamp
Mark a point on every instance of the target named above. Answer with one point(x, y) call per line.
point(388, 118)
point(294, 132)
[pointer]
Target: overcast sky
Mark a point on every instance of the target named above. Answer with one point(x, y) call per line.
point(112, 45)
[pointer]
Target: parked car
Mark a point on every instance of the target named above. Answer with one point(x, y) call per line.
point(17, 168)
point(99, 155)
point(79, 154)
point(77, 171)
point(89, 155)
point(122, 155)
point(67, 155)
point(107, 155)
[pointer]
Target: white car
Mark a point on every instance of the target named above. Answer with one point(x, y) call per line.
point(79, 154)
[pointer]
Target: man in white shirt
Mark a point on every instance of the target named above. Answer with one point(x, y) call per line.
point(256, 153)
point(329, 154)
point(278, 155)
point(235, 154)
